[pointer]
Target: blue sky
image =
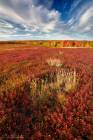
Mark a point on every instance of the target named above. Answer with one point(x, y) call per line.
point(46, 19)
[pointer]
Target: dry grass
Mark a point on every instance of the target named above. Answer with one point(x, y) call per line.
point(62, 81)
point(54, 62)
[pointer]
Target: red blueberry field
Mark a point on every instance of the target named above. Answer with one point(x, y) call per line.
point(46, 93)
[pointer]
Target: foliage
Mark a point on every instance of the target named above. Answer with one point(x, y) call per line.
point(31, 108)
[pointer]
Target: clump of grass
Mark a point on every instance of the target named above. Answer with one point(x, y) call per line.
point(61, 81)
point(61, 53)
point(54, 62)
point(71, 82)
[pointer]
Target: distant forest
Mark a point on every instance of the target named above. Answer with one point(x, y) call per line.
point(52, 43)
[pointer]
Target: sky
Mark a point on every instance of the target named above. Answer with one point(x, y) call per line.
point(46, 19)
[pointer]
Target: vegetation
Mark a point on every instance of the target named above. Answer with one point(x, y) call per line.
point(46, 93)
point(49, 43)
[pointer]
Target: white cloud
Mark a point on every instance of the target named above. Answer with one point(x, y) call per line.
point(74, 5)
point(87, 17)
point(27, 17)
point(36, 17)
point(9, 13)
